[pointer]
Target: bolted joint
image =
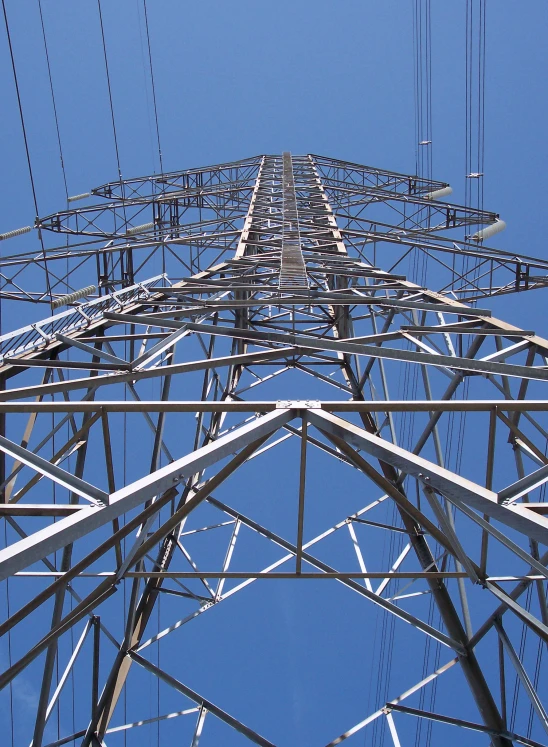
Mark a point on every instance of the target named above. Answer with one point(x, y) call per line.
point(298, 404)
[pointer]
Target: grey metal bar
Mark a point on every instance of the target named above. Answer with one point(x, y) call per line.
point(522, 674)
point(378, 405)
point(448, 483)
point(463, 724)
point(45, 541)
point(192, 695)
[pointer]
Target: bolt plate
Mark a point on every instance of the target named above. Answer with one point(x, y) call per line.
point(299, 404)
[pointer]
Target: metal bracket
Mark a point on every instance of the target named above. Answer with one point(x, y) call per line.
point(298, 404)
point(42, 334)
point(81, 311)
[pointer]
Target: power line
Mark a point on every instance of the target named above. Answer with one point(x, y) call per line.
point(15, 80)
point(53, 98)
point(475, 102)
point(25, 139)
point(422, 50)
point(153, 87)
point(109, 90)
point(56, 117)
point(422, 67)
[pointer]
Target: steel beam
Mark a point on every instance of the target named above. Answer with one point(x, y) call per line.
point(448, 483)
point(45, 541)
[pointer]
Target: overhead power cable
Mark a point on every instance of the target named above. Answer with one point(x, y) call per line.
point(422, 49)
point(26, 142)
point(153, 87)
point(475, 44)
point(52, 91)
point(109, 91)
point(57, 129)
point(475, 102)
point(20, 106)
point(422, 76)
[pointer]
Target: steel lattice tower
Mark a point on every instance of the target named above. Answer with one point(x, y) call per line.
point(256, 392)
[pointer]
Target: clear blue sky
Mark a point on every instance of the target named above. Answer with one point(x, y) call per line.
point(245, 77)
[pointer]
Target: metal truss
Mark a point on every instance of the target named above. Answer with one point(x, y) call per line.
point(147, 221)
point(131, 498)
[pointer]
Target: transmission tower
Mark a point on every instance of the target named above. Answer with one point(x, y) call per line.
point(244, 393)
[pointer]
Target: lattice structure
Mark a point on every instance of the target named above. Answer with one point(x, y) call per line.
point(397, 449)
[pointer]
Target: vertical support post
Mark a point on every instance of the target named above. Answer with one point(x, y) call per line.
point(302, 486)
point(199, 726)
point(2, 454)
point(502, 683)
point(488, 482)
point(393, 731)
point(96, 622)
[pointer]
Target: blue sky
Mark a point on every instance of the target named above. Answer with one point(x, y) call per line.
point(235, 79)
point(239, 78)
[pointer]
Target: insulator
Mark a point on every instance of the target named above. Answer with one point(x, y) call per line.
point(437, 193)
point(79, 197)
point(140, 229)
point(485, 233)
point(71, 297)
point(17, 232)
